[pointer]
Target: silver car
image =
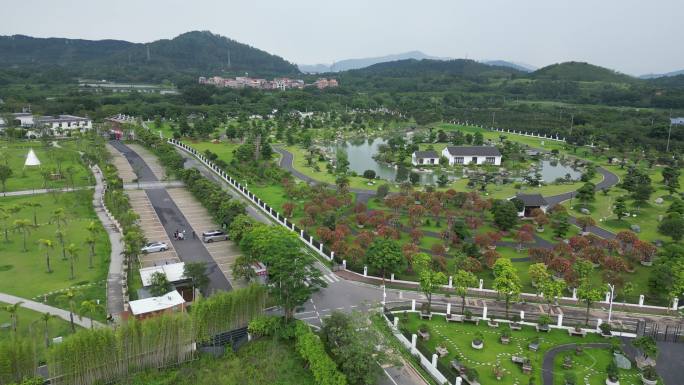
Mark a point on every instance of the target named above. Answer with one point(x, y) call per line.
point(155, 247)
point(214, 235)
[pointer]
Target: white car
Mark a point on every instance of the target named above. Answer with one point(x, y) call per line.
point(155, 247)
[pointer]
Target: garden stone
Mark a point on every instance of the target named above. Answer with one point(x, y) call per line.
point(635, 228)
point(622, 362)
point(585, 211)
point(659, 201)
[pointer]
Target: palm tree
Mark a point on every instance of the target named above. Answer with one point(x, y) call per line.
point(14, 317)
point(70, 296)
point(58, 216)
point(60, 236)
point(72, 250)
point(93, 230)
point(35, 206)
point(46, 317)
point(47, 244)
point(90, 307)
point(4, 216)
point(24, 226)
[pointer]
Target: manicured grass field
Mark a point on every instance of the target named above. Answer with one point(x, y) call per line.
point(262, 362)
point(457, 338)
point(30, 324)
point(590, 368)
point(52, 159)
point(24, 273)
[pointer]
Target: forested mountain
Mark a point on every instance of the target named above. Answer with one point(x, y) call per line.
point(352, 64)
point(192, 53)
point(459, 67)
point(504, 63)
point(667, 74)
point(580, 72)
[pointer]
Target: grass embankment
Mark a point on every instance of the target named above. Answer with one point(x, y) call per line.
point(61, 165)
point(24, 273)
point(262, 362)
point(457, 338)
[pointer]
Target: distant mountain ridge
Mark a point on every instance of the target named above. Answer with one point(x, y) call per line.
point(504, 63)
point(455, 67)
point(580, 71)
point(667, 74)
point(196, 52)
point(352, 64)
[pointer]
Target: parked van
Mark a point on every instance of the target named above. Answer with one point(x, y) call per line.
point(214, 235)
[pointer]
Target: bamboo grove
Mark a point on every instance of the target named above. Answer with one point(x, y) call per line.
point(104, 355)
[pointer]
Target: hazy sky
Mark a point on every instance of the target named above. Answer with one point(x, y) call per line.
point(632, 36)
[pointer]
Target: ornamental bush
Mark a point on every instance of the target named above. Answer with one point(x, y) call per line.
point(311, 348)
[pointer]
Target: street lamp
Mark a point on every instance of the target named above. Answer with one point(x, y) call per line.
point(610, 306)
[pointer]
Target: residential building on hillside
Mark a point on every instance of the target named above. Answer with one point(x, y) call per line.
point(419, 158)
point(464, 155)
point(263, 84)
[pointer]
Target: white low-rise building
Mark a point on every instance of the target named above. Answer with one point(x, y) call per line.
point(465, 155)
point(425, 158)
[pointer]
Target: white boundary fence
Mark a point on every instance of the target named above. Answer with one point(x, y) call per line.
point(319, 247)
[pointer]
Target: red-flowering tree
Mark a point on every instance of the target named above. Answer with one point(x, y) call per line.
point(409, 250)
point(578, 243)
point(540, 254)
point(560, 266)
point(415, 213)
point(614, 264)
point(644, 251)
point(438, 249)
point(288, 208)
point(562, 249)
point(415, 235)
point(484, 241)
point(594, 254)
point(490, 257)
point(471, 264)
point(361, 219)
point(522, 237)
point(360, 208)
point(396, 202)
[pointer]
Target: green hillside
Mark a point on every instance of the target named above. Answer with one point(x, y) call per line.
point(581, 72)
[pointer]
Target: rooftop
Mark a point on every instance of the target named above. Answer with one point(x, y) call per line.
point(532, 199)
point(473, 151)
point(152, 304)
point(173, 272)
point(426, 154)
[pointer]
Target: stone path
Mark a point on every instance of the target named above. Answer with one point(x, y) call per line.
point(43, 308)
point(115, 276)
point(43, 191)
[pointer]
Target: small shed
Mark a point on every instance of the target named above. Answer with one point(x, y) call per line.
point(170, 302)
point(531, 202)
point(426, 158)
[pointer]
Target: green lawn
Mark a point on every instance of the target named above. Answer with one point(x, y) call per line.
point(457, 339)
point(30, 324)
point(590, 368)
point(25, 273)
point(52, 159)
point(262, 362)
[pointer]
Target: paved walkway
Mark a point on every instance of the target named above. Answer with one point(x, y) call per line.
point(115, 276)
point(43, 308)
point(43, 191)
point(123, 168)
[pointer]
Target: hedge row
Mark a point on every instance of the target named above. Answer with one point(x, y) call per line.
point(311, 348)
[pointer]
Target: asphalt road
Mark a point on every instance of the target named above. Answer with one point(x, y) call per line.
point(171, 217)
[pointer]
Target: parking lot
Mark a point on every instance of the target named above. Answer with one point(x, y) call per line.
point(224, 252)
point(124, 168)
point(153, 230)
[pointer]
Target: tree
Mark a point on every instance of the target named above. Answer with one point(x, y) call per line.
point(159, 284)
point(538, 275)
point(429, 279)
point(671, 179)
point(5, 174)
point(384, 255)
point(585, 194)
point(13, 313)
point(462, 281)
point(292, 273)
point(414, 178)
point(552, 290)
point(35, 206)
point(506, 281)
point(24, 227)
point(672, 226)
point(620, 207)
point(93, 230)
point(442, 180)
point(369, 174)
point(588, 295)
point(382, 191)
point(90, 308)
point(197, 273)
point(72, 250)
point(240, 225)
point(46, 317)
point(58, 217)
point(505, 214)
point(70, 297)
point(560, 224)
point(585, 223)
point(647, 345)
point(47, 244)
point(353, 346)
point(4, 217)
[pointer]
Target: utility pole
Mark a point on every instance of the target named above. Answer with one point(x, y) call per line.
point(493, 114)
point(572, 123)
point(610, 307)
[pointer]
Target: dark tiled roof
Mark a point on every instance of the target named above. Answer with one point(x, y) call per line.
point(532, 199)
point(473, 151)
point(426, 154)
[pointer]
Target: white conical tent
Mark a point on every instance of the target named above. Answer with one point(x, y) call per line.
point(31, 159)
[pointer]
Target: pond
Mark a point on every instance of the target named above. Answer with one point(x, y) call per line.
point(360, 153)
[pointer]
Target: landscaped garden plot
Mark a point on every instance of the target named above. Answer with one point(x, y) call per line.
point(495, 356)
point(24, 273)
point(60, 166)
point(32, 324)
point(589, 367)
